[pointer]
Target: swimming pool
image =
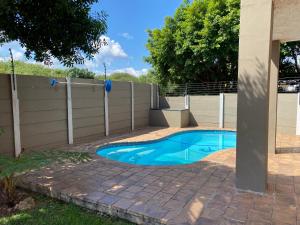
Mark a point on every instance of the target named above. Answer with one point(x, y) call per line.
point(180, 148)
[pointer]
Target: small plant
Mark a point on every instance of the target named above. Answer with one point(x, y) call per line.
point(9, 167)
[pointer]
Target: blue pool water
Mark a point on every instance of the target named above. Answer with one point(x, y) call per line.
point(178, 149)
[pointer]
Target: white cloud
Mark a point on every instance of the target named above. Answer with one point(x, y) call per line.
point(17, 51)
point(113, 49)
point(127, 36)
point(18, 55)
point(106, 54)
point(131, 71)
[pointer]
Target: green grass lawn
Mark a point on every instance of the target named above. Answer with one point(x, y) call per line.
point(52, 212)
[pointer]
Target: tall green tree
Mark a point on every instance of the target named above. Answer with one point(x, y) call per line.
point(200, 43)
point(63, 29)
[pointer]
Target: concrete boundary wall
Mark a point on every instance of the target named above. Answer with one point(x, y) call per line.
point(230, 110)
point(205, 111)
point(119, 104)
point(142, 99)
point(6, 116)
point(88, 111)
point(43, 113)
point(172, 102)
point(287, 113)
point(45, 118)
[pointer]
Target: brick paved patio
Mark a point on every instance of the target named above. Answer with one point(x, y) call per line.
point(202, 193)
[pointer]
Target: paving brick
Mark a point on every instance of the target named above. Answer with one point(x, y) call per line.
point(124, 203)
point(109, 199)
point(174, 204)
point(239, 214)
point(260, 216)
point(134, 189)
point(94, 197)
point(127, 194)
point(162, 197)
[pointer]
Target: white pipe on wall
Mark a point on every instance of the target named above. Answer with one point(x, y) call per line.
point(84, 84)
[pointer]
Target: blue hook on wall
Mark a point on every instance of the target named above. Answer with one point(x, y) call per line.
point(108, 85)
point(53, 82)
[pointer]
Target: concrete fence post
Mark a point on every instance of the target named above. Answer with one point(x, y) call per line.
point(70, 111)
point(16, 114)
point(132, 106)
point(298, 115)
point(221, 111)
point(186, 101)
point(106, 112)
point(157, 96)
point(152, 97)
point(186, 98)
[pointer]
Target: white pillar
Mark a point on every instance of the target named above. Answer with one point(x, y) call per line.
point(70, 111)
point(16, 115)
point(132, 106)
point(221, 111)
point(253, 94)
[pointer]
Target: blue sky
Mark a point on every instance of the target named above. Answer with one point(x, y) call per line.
point(128, 23)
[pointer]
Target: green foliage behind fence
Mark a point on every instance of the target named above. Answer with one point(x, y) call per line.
point(32, 69)
point(24, 68)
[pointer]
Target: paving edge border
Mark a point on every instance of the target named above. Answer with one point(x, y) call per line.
point(103, 209)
